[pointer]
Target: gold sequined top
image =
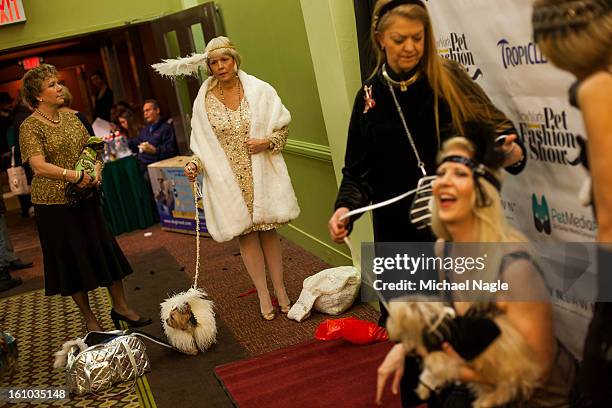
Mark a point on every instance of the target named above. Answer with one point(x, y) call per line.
point(232, 130)
point(61, 145)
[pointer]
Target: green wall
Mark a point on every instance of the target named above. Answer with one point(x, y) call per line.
point(49, 20)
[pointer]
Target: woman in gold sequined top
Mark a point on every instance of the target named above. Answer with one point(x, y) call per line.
point(79, 252)
point(239, 128)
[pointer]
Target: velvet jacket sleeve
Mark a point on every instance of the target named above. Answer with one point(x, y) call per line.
point(167, 143)
point(355, 189)
point(501, 123)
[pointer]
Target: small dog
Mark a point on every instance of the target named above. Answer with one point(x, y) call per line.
point(507, 362)
point(188, 319)
point(182, 318)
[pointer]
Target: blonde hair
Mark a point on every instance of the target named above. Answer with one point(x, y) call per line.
point(67, 96)
point(579, 50)
point(465, 99)
point(221, 46)
point(491, 223)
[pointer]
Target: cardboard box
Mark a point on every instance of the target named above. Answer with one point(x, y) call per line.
point(173, 194)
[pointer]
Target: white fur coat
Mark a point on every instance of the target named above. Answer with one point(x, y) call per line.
point(274, 200)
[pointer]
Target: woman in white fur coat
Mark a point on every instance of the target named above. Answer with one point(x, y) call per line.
point(239, 127)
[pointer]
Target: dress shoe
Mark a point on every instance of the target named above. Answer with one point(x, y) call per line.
point(7, 281)
point(285, 309)
point(268, 316)
point(117, 318)
point(19, 264)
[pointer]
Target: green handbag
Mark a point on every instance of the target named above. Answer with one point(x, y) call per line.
point(92, 153)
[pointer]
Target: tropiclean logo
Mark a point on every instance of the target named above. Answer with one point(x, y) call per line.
point(514, 55)
point(455, 47)
point(548, 138)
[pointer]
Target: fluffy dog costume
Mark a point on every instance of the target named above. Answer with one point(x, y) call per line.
point(498, 352)
point(188, 319)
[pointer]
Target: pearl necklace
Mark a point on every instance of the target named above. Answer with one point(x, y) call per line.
point(55, 122)
point(403, 85)
point(238, 126)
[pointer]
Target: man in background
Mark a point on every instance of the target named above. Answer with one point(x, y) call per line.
point(156, 140)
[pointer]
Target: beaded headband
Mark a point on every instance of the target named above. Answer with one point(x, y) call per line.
point(390, 6)
point(557, 18)
point(220, 48)
point(479, 170)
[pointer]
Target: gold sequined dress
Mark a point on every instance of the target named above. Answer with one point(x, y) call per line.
point(232, 129)
point(79, 251)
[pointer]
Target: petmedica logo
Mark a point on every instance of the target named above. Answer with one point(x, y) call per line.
point(546, 218)
point(515, 55)
point(455, 47)
point(548, 137)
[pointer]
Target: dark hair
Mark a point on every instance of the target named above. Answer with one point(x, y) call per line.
point(134, 123)
point(33, 80)
point(152, 102)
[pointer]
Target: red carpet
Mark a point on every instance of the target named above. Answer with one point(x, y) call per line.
point(310, 374)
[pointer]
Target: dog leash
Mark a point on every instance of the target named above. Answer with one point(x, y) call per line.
point(197, 195)
point(365, 278)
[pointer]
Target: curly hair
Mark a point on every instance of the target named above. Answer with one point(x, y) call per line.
point(33, 80)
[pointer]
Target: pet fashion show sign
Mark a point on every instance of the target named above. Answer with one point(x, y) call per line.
point(11, 11)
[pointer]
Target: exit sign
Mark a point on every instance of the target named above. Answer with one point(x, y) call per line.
point(11, 11)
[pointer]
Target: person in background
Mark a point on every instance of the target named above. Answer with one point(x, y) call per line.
point(131, 124)
point(21, 112)
point(80, 253)
point(66, 108)
point(8, 259)
point(7, 105)
point(576, 36)
point(156, 140)
point(103, 100)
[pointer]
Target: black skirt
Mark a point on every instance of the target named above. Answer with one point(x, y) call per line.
point(79, 252)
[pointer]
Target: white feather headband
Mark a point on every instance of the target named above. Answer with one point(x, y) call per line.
point(187, 65)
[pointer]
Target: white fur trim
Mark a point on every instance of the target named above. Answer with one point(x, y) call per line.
point(205, 333)
point(274, 200)
point(61, 357)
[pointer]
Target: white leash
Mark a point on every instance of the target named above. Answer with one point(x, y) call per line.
point(357, 263)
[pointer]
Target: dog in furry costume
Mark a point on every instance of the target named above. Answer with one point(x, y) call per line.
point(497, 351)
point(188, 319)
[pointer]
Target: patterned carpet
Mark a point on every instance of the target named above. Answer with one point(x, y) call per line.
point(42, 324)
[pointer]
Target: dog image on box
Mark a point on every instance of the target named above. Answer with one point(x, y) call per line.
point(188, 319)
point(497, 352)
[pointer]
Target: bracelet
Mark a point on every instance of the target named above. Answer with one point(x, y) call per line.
point(64, 174)
point(81, 175)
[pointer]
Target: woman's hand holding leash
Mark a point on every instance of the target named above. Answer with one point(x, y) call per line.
point(337, 226)
point(191, 172)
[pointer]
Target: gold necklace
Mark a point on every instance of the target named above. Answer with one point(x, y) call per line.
point(403, 85)
point(55, 122)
